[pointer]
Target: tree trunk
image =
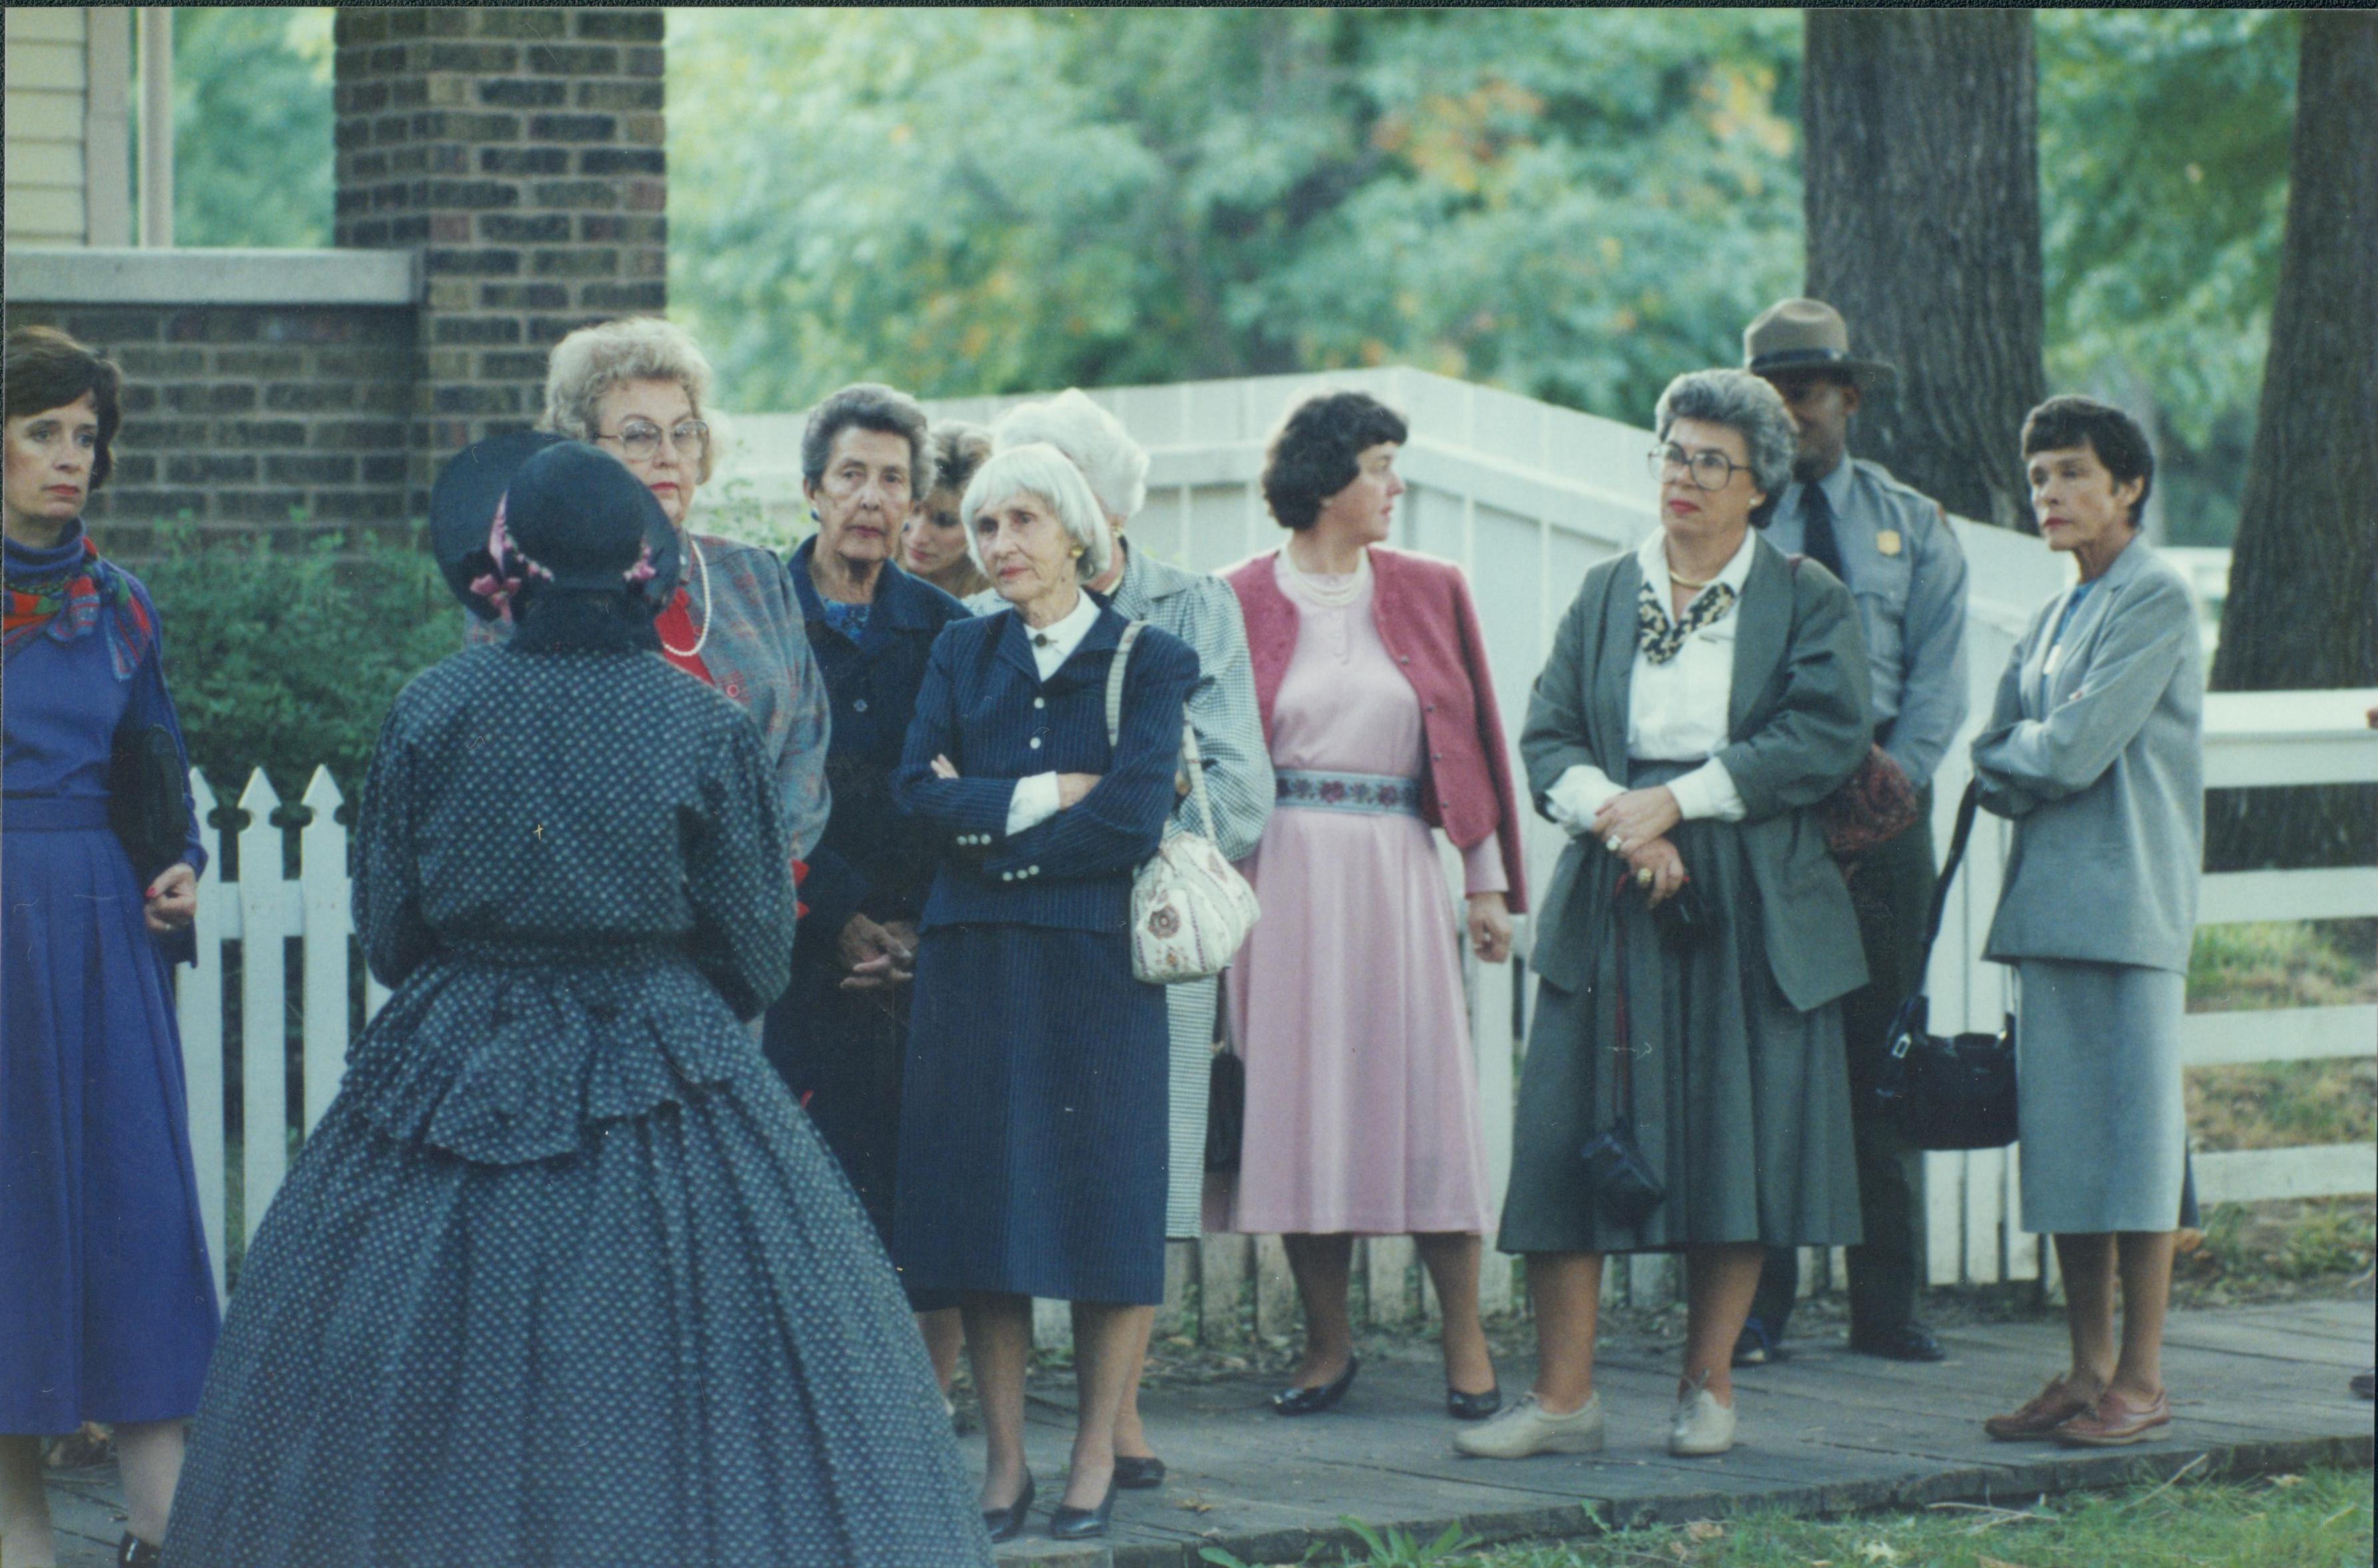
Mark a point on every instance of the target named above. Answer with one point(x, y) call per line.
point(2302, 609)
point(1922, 163)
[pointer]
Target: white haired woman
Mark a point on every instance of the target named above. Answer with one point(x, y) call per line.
point(1032, 1115)
point(636, 387)
point(1202, 611)
point(1703, 694)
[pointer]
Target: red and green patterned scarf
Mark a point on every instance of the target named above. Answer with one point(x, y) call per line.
point(71, 599)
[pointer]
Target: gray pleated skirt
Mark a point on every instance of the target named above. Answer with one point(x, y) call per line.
point(2097, 1090)
point(1741, 1103)
point(1189, 1023)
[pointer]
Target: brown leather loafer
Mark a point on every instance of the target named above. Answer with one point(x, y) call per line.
point(2115, 1421)
point(2038, 1420)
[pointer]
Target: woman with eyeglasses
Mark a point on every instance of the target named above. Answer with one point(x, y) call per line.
point(635, 388)
point(1704, 693)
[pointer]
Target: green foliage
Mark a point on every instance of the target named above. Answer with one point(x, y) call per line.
point(252, 127)
point(2319, 1519)
point(2162, 161)
point(1399, 1549)
point(1572, 204)
point(289, 659)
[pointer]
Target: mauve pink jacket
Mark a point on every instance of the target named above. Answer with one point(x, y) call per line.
point(1422, 610)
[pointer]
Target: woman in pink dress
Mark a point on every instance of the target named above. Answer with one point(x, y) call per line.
point(1380, 712)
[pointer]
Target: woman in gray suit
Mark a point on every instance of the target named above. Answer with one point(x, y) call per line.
point(2096, 750)
point(1703, 694)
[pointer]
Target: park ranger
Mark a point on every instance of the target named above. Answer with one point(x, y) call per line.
point(1893, 548)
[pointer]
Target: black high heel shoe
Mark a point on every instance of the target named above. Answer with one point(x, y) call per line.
point(1472, 1407)
point(1313, 1401)
point(1138, 1474)
point(1081, 1524)
point(1006, 1524)
point(134, 1552)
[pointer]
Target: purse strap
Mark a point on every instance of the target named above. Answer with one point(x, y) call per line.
point(1622, 1091)
point(1189, 754)
point(1957, 841)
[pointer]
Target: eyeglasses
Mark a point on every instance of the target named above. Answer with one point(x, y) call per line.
point(640, 439)
point(1708, 469)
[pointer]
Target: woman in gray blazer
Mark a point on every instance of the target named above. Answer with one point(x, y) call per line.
point(2096, 750)
point(1704, 692)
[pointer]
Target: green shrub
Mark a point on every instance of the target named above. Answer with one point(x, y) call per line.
point(289, 658)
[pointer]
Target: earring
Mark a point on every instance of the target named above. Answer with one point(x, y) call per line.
point(1077, 552)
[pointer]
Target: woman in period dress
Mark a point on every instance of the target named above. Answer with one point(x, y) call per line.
point(1362, 1101)
point(107, 1306)
point(1032, 1124)
point(563, 1276)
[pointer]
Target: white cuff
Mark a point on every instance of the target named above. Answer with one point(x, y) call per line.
point(1034, 802)
point(1708, 791)
point(1577, 795)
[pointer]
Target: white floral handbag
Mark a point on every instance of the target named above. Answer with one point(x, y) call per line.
point(1190, 911)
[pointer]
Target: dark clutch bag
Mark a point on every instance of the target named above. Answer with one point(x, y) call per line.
point(1948, 1091)
point(1622, 1179)
point(145, 802)
point(1875, 806)
point(1226, 1109)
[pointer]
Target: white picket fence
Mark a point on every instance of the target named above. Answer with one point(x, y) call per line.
point(1526, 496)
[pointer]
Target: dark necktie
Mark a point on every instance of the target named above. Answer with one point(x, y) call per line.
point(1816, 541)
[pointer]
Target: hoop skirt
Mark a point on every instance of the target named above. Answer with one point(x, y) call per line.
point(564, 1276)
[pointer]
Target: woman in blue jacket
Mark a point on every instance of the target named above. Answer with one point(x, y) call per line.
point(1032, 1131)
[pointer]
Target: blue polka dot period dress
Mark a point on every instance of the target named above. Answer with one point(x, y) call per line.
point(107, 1308)
point(564, 1277)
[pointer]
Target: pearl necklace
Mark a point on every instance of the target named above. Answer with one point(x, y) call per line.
point(1330, 595)
point(702, 565)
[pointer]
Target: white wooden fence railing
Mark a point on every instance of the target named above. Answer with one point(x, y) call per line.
point(1526, 496)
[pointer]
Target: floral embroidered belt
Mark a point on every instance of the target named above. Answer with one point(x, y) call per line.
point(1374, 794)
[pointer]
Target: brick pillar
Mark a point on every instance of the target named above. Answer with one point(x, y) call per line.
point(522, 150)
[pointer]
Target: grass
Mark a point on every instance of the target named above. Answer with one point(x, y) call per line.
point(2321, 1519)
point(2254, 966)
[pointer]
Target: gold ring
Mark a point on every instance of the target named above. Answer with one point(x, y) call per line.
point(1615, 844)
point(1643, 876)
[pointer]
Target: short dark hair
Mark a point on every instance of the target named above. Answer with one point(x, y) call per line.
point(2117, 439)
point(46, 369)
point(959, 448)
point(1312, 455)
point(869, 405)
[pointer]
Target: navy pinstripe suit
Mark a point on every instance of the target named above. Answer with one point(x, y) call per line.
point(1032, 1132)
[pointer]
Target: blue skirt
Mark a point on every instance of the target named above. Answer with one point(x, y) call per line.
point(1032, 1118)
point(104, 1287)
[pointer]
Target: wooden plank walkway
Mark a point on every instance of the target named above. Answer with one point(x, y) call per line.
point(2256, 1389)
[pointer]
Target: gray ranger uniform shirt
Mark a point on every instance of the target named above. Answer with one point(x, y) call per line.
point(1908, 576)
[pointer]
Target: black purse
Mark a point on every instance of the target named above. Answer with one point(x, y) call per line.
point(1954, 1091)
point(1226, 1098)
point(1621, 1178)
point(145, 806)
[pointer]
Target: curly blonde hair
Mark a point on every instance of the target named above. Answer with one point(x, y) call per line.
point(590, 362)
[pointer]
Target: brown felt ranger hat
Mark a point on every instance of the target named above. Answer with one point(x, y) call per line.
point(1806, 334)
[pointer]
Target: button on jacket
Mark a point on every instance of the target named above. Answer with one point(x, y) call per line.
point(983, 706)
point(1907, 573)
point(873, 858)
point(1424, 613)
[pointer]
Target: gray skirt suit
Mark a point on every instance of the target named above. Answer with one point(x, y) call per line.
point(2094, 750)
point(1740, 1087)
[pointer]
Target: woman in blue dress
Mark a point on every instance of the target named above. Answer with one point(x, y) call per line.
point(563, 1276)
point(106, 1296)
point(1032, 1118)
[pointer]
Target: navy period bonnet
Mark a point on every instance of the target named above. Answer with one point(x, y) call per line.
point(528, 508)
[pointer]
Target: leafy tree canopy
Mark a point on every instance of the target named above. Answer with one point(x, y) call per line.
point(252, 121)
